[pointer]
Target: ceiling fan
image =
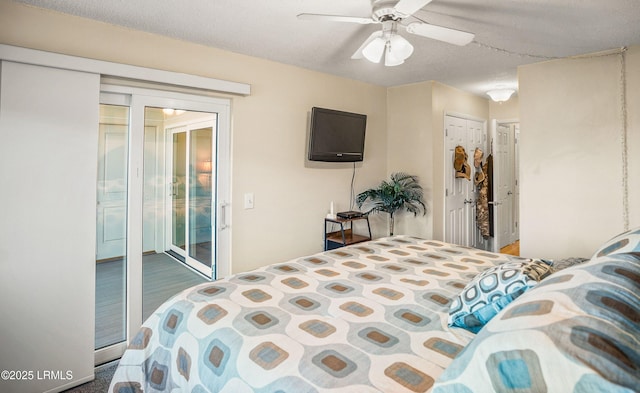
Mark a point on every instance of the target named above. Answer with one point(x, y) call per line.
point(391, 13)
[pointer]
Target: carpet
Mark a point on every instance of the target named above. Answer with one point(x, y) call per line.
point(104, 374)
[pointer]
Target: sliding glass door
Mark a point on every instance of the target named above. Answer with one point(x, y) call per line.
point(192, 171)
point(163, 185)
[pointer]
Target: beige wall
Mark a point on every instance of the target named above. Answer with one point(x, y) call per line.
point(410, 144)
point(571, 153)
point(508, 110)
point(632, 60)
point(269, 128)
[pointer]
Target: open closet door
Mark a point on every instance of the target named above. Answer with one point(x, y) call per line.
point(503, 184)
point(461, 195)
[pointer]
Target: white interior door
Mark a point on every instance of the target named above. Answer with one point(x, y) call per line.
point(456, 210)
point(476, 138)
point(515, 205)
point(112, 190)
point(503, 176)
point(460, 193)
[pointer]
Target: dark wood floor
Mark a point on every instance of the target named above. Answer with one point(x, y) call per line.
point(162, 278)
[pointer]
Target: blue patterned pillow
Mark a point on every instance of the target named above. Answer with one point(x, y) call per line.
point(577, 331)
point(490, 291)
point(566, 262)
point(625, 242)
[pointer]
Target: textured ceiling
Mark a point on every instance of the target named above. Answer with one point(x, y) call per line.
point(508, 33)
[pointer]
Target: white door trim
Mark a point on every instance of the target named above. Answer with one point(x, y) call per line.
point(73, 63)
point(465, 117)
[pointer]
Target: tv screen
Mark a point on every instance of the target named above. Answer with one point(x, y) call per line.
point(336, 136)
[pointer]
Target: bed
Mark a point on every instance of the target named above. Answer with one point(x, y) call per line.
point(398, 315)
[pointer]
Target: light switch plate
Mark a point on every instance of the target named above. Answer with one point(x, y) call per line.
point(248, 200)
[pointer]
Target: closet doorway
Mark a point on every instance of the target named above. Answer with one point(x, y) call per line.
point(506, 188)
point(461, 194)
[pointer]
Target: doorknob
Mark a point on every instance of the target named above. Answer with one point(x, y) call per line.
point(223, 215)
point(509, 193)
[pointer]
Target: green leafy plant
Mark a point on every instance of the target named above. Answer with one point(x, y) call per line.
point(401, 192)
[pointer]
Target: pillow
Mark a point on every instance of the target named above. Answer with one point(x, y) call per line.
point(625, 242)
point(566, 263)
point(490, 291)
point(577, 331)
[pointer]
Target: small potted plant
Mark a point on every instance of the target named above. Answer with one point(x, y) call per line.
point(402, 192)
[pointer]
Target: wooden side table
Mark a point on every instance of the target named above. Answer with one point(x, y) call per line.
point(346, 234)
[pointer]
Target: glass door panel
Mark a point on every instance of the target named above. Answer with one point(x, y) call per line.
point(165, 184)
point(141, 219)
point(201, 191)
point(111, 226)
point(192, 173)
point(179, 191)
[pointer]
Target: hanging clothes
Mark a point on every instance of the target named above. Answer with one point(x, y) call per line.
point(489, 176)
point(462, 168)
point(482, 204)
point(477, 163)
point(477, 157)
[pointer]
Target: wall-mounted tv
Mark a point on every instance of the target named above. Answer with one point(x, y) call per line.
point(336, 136)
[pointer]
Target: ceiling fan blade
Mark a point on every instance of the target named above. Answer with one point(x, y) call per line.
point(337, 18)
point(445, 34)
point(408, 7)
point(358, 54)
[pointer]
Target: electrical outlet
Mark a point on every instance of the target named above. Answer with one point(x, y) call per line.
point(248, 200)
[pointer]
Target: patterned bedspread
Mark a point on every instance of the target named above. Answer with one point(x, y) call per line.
point(367, 318)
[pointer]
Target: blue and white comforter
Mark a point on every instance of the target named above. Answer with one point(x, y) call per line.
point(367, 318)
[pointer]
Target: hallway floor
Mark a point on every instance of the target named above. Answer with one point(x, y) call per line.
point(511, 249)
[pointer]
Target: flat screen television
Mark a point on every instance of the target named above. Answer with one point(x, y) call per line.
point(336, 136)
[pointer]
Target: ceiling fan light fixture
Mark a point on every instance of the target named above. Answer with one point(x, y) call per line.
point(395, 48)
point(500, 95)
point(374, 50)
point(400, 47)
point(390, 60)
point(391, 14)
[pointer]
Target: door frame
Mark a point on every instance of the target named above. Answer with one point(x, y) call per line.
point(138, 99)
